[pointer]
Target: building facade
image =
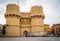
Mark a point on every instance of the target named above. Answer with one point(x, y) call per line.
point(1, 28)
point(56, 29)
point(47, 29)
point(20, 23)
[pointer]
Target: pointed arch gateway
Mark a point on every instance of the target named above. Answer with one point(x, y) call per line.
point(25, 33)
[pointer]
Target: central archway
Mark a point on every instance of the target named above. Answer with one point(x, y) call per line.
point(25, 33)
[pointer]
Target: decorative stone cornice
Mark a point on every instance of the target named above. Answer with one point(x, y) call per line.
point(12, 25)
point(37, 25)
point(39, 16)
point(12, 15)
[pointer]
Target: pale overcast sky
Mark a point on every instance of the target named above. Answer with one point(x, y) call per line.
point(51, 9)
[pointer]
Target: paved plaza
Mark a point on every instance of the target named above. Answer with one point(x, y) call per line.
point(30, 39)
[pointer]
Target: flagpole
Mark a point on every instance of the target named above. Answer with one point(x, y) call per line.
point(17, 2)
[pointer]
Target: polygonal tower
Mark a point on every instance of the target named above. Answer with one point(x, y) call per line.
point(12, 20)
point(37, 20)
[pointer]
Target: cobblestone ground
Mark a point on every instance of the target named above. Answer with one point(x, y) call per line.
point(30, 39)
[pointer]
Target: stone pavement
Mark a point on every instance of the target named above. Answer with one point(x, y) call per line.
point(30, 39)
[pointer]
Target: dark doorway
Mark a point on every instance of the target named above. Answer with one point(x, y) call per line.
point(3, 31)
point(25, 33)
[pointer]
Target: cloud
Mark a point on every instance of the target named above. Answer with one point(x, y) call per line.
point(27, 5)
point(51, 8)
point(2, 19)
point(52, 14)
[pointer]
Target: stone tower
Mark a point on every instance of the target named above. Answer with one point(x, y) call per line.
point(24, 23)
point(37, 19)
point(12, 20)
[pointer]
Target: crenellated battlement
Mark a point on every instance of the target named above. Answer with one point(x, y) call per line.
point(12, 8)
point(25, 14)
point(12, 5)
point(36, 9)
point(37, 6)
